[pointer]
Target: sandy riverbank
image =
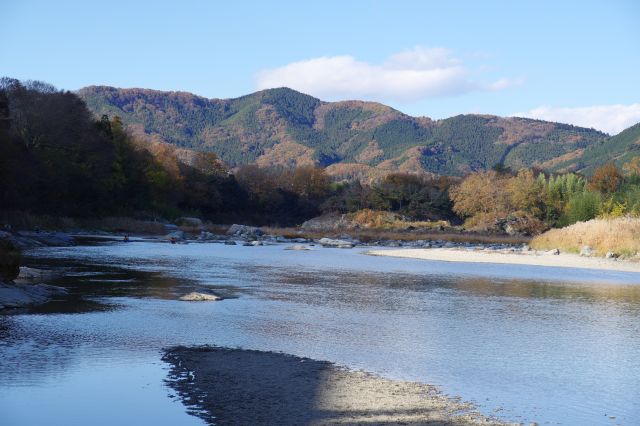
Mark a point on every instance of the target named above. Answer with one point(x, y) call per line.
point(233, 386)
point(563, 260)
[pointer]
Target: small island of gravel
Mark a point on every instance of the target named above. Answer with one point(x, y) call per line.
point(235, 386)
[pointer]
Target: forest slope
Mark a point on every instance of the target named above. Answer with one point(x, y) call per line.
point(356, 138)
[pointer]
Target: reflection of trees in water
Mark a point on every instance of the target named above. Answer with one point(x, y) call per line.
point(91, 279)
point(550, 290)
point(398, 291)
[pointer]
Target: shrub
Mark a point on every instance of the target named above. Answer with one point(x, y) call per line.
point(581, 207)
point(611, 209)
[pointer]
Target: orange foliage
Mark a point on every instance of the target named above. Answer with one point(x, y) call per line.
point(606, 179)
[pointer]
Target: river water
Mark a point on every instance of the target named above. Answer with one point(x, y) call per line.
point(524, 343)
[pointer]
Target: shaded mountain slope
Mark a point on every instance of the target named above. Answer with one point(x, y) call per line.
point(620, 148)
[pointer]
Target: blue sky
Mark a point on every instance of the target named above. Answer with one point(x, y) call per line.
point(572, 61)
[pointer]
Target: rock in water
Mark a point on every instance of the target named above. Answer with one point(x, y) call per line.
point(297, 247)
point(10, 257)
point(27, 273)
point(21, 295)
point(329, 242)
point(200, 297)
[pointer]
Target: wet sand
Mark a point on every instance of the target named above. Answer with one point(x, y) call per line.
point(563, 260)
point(243, 387)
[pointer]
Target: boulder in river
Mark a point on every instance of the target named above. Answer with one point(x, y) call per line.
point(330, 242)
point(297, 247)
point(32, 274)
point(194, 296)
point(21, 295)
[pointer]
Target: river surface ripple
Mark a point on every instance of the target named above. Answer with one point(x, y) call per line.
point(525, 343)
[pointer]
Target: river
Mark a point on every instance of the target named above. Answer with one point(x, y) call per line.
point(524, 343)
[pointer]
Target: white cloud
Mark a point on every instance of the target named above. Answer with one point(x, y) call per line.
point(410, 75)
point(611, 119)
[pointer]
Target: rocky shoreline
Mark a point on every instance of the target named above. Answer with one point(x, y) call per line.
point(20, 295)
point(255, 236)
point(17, 286)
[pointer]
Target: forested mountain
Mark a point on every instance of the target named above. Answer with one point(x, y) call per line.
point(620, 149)
point(58, 158)
point(353, 138)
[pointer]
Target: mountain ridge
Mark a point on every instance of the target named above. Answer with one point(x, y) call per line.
point(620, 149)
point(283, 127)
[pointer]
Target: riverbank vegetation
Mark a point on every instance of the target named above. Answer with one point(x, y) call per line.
point(618, 236)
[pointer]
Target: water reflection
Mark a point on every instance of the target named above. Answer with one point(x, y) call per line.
point(394, 291)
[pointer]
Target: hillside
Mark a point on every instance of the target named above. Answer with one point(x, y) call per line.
point(355, 138)
point(620, 148)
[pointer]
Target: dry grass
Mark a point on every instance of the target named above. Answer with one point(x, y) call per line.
point(368, 235)
point(620, 235)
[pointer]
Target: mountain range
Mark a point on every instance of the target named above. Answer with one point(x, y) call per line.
point(353, 139)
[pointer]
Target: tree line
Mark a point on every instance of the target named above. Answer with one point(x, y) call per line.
point(539, 201)
point(57, 159)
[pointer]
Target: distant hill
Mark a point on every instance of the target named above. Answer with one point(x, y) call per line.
point(619, 148)
point(353, 138)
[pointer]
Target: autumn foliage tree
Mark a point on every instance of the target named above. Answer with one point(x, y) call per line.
point(526, 193)
point(482, 192)
point(606, 179)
